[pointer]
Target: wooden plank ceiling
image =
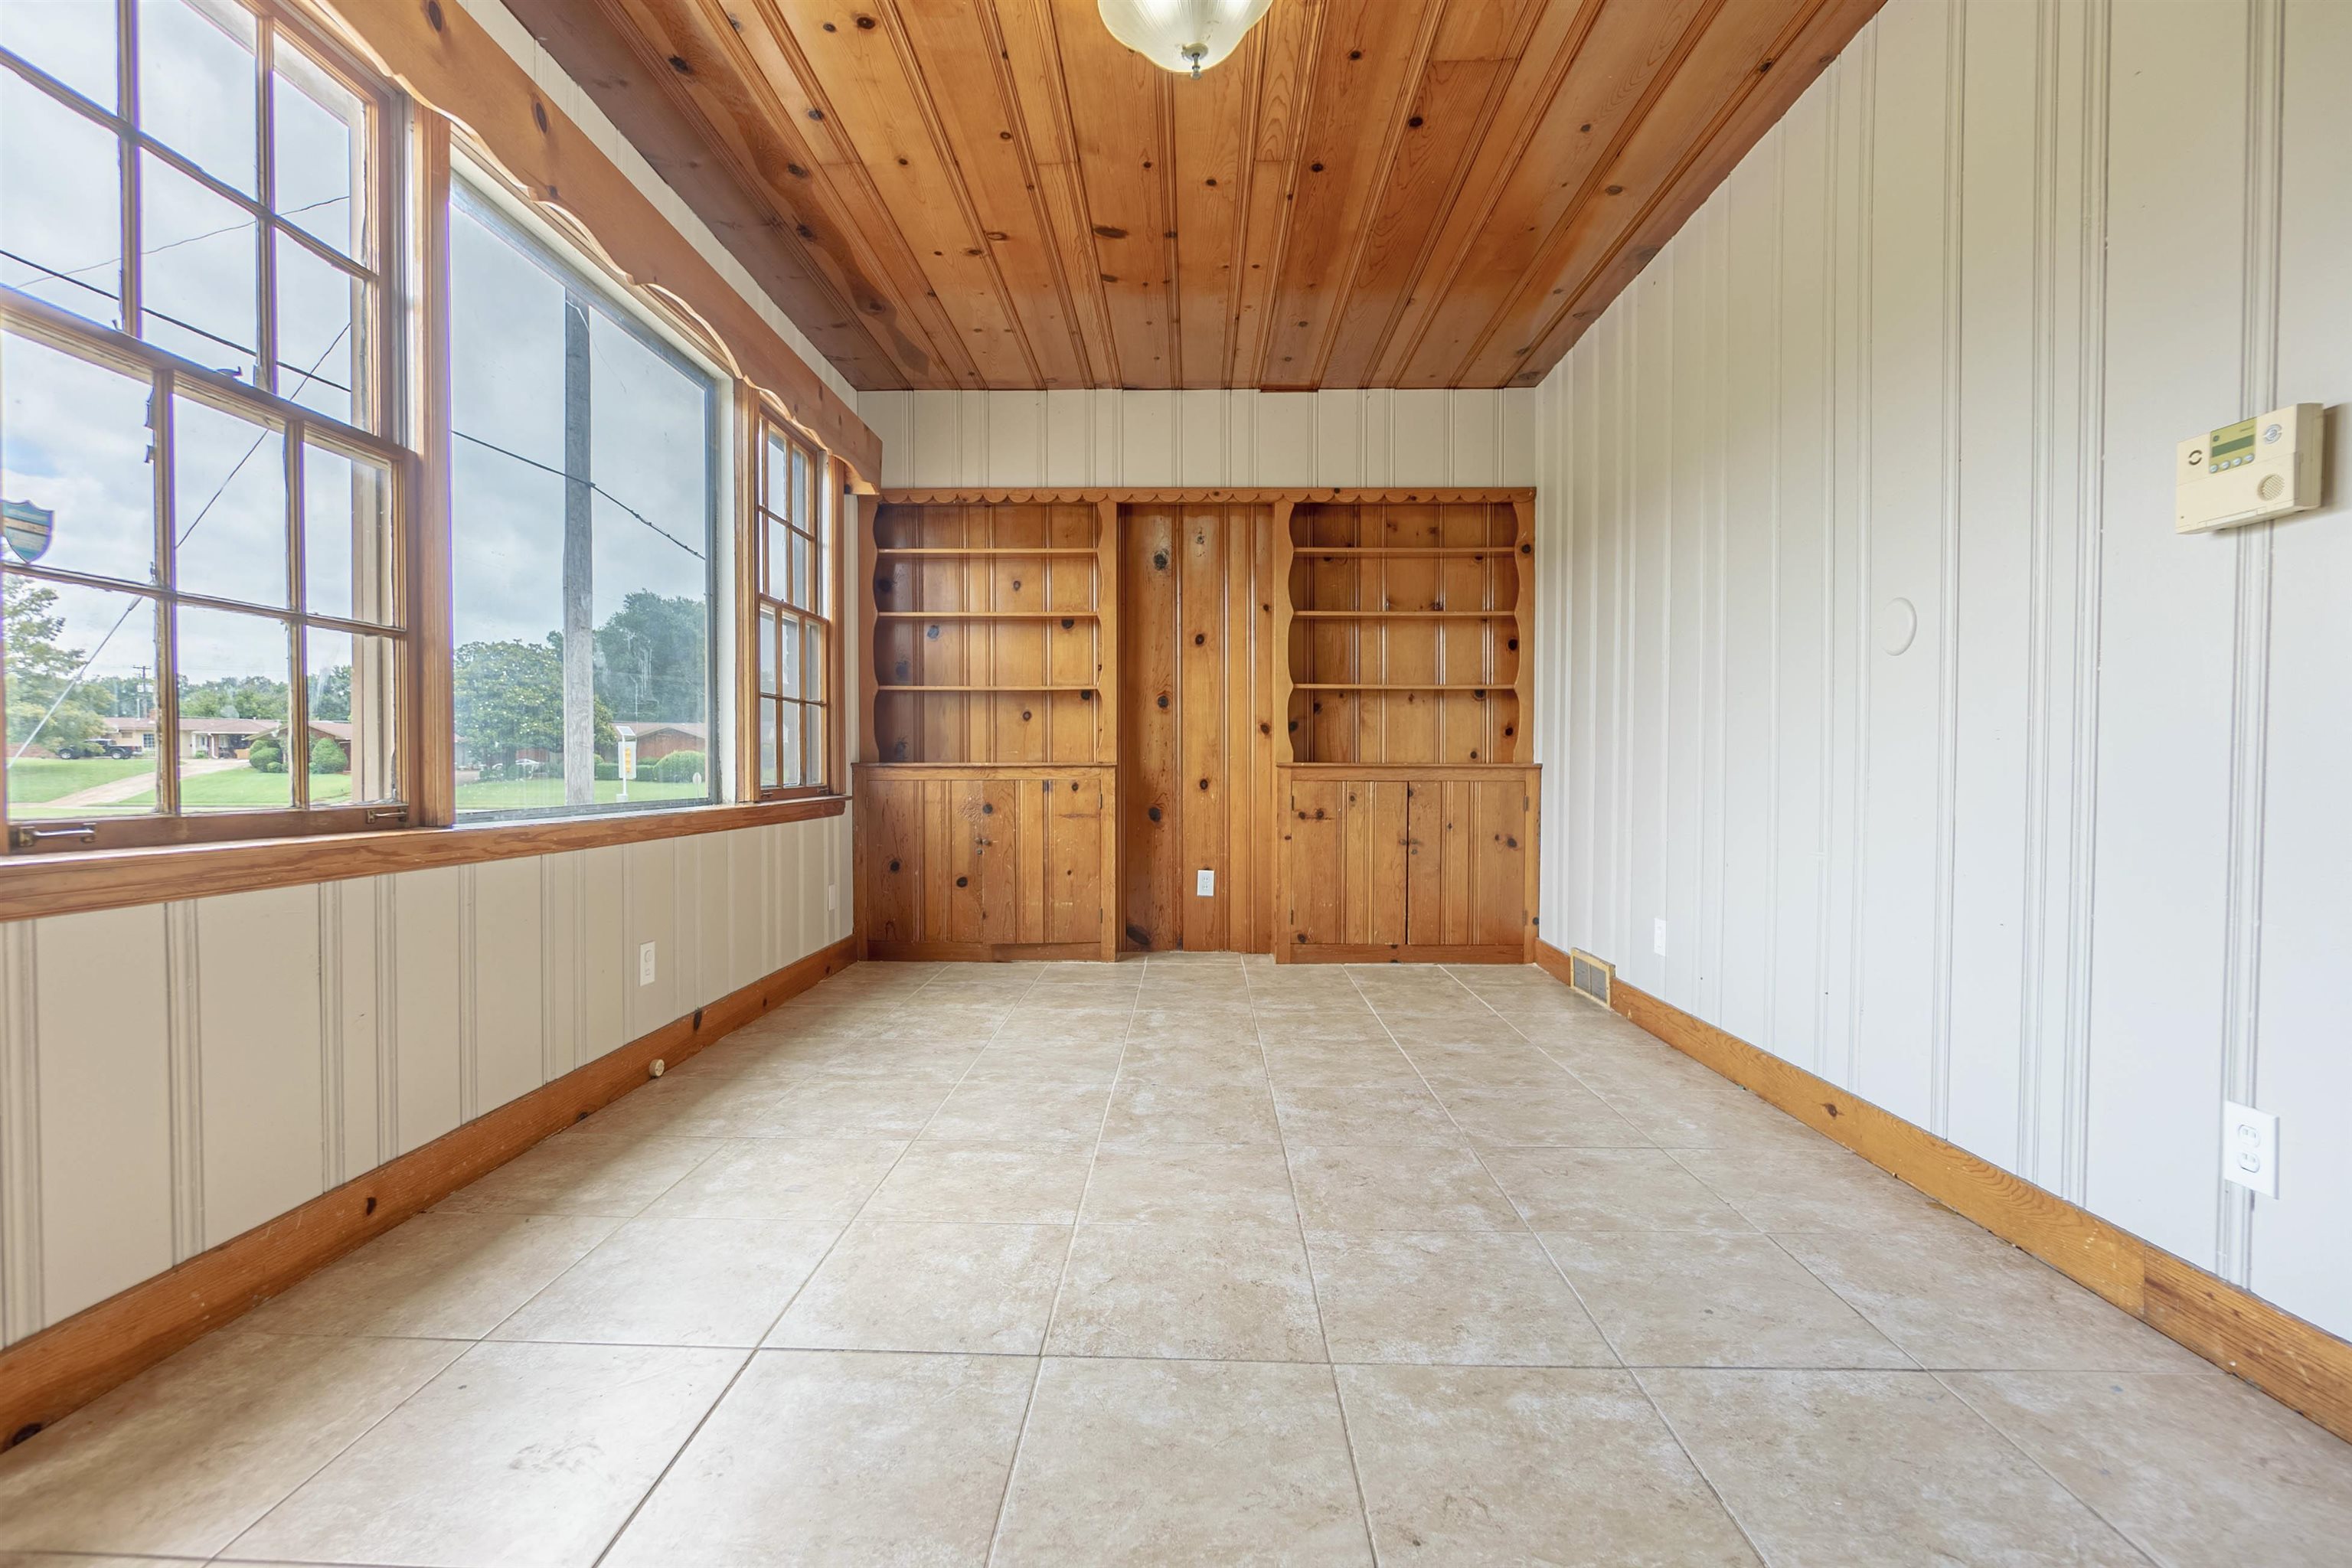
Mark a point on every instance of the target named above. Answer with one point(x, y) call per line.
point(994, 193)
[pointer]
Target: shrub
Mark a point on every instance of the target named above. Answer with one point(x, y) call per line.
point(267, 755)
point(679, 767)
point(605, 770)
point(326, 757)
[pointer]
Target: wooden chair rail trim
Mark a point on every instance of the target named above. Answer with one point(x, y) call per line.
point(1403, 952)
point(47, 1375)
point(38, 885)
point(1297, 494)
point(2299, 1364)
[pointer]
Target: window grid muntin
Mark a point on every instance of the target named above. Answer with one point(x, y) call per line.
point(133, 141)
point(166, 378)
point(809, 518)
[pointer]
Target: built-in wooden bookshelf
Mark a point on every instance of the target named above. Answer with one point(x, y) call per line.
point(1131, 721)
point(987, 637)
point(1407, 622)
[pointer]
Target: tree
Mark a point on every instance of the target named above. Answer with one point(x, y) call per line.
point(330, 693)
point(42, 672)
point(326, 757)
point(509, 697)
point(233, 697)
point(650, 659)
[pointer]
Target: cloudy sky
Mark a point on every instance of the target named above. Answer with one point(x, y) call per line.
point(74, 437)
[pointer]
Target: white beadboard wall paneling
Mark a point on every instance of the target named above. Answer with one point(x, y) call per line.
point(261, 1102)
point(2300, 1064)
point(1881, 677)
point(175, 1075)
point(107, 1181)
point(933, 440)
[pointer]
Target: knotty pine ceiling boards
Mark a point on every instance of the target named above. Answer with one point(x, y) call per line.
point(995, 195)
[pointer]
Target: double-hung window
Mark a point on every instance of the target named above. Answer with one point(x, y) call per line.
point(205, 629)
point(585, 471)
point(793, 623)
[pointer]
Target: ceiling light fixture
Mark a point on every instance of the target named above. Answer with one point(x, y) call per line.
point(1183, 35)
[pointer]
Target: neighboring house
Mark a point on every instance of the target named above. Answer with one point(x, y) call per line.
point(217, 738)
point(657, 739)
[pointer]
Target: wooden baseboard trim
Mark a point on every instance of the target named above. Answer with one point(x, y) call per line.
point(47, 1375)
point(1398, 953)
point(983, 952)
point(2299, 1364)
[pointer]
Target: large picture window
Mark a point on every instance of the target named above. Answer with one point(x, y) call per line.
point(585, 481)
point(793, 626)
point(203, 611)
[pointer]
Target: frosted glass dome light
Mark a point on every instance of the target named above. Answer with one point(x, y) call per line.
point(1183, 35)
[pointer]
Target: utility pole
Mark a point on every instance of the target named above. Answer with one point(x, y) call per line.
point(579, 548)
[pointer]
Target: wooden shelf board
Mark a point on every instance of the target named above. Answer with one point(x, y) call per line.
point(984, 614)
point(985, 551)
point(953, 690)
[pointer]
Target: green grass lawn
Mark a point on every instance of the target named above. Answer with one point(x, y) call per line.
point(232, 788)
point(32, 780)
point(522, 795)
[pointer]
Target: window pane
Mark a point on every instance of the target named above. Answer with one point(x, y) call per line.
point(767, 745)
point(788, 742)
point(801, 550)
point(318, 127)
point(347, 535)
point(81, 701)
point(813, 665)
point(353, 753)
point(228, 493)
point(196, 85)
point(233, 681)
point(75, 464)
point(799, 491)
point(197, 271)
point(562, 639)
point(813, 723)
point(73, 40)
point(775, 560)
point(788, 672)
point(776, 475)
point(770, 630)
point(320, 311)
point(61, 221)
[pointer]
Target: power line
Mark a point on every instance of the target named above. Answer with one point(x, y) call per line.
point(593, 486)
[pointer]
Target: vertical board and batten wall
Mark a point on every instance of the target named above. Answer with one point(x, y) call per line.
point(1874, 667)
point(1141, 439)
point(174, 1074)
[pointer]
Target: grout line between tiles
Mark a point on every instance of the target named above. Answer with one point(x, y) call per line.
point(1077, 1214)
point(737, 1376)
point(1307, 1257)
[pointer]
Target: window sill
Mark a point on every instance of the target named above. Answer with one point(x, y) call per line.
point(36, 885)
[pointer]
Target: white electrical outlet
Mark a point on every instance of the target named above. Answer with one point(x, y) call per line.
point(1658, 938)
point(831, 897)
point(2250, 1148)
point(1205, 884)
point(645, 963)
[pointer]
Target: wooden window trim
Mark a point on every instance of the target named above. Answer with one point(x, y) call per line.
point(69, 883)
point(372, 432)
point(827, 482)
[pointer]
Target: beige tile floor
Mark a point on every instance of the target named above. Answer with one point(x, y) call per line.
point(1192, 1259)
